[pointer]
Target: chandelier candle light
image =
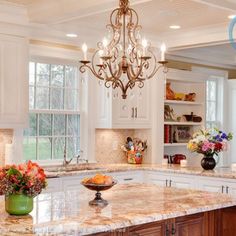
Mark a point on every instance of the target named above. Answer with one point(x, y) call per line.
point(124, 53)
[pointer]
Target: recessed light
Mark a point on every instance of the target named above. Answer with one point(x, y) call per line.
point(72, 35)
point(175, 26)
point(231, 16)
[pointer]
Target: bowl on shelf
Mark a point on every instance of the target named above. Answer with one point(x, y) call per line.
point(193, 118)
point(98, 200)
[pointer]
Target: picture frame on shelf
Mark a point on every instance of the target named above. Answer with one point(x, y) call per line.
point(182, 134)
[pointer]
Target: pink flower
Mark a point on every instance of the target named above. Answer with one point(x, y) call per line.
point(207, 146)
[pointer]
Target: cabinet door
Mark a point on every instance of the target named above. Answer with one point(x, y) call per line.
point(182, 181)
point(123, 109)
point(193, 225)
point(211, 184)
point(158, 179)
point(128, 177)
point(13, 82)
point(142, 106)
point(156, 228)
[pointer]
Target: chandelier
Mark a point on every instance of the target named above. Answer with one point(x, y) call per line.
point(124, 59)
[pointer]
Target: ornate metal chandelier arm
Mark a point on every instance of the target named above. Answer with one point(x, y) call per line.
point(83, 69)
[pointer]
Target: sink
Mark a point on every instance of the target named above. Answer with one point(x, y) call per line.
point(72, 168)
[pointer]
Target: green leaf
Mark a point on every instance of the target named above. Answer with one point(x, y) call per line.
point(13, 171)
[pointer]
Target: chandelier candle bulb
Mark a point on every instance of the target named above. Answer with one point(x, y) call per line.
point(144, 44)
point(85, 49)
point(163, 51)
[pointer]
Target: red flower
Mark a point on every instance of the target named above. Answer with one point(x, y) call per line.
point(218, 146)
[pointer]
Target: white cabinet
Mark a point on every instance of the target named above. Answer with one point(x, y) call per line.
point(171, 180)
point(128, 177)
point(115, 112)
point(220, 185)
point(13, 81)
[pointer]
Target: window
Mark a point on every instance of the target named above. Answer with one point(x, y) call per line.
point(54, 122)
point(211, 104)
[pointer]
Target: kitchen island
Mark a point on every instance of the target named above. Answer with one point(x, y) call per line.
point(134, 209)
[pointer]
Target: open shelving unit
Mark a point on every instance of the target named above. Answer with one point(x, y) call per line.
point(184, 82)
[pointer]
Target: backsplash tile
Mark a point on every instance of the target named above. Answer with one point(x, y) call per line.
point(6, 136)
point(107, 139)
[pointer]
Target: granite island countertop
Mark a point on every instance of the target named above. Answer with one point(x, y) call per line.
point(68, 213)
point(84, 169)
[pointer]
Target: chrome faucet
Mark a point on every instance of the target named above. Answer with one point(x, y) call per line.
point(78, 157)
point(66, 162)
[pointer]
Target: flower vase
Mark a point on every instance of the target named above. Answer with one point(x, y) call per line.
point(208, 162)
point(18, 204)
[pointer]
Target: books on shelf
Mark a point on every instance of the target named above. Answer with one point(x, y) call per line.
point(177, 134)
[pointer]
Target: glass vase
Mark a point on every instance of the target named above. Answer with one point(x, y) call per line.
point(18, 204)
point(208, 162)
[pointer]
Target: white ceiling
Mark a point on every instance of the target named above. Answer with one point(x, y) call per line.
point(222, 55)
point(88, 19)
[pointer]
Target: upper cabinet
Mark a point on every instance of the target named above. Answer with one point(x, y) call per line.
point(13, 81)
point(115, 112)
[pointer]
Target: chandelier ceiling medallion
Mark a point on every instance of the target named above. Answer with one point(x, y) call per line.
point(124, 58)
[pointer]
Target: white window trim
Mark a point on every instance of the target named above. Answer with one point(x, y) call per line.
point(83, 143)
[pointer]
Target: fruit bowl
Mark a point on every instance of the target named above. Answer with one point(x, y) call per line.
point(98, 200)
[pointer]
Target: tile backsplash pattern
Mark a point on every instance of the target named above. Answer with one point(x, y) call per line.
point(6, 136)
point(109, 139)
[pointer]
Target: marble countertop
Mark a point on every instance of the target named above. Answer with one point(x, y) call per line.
point(68, 213)
point(81, 169)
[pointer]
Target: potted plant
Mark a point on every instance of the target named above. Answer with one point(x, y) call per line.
point(209, 143)
point(20, 184)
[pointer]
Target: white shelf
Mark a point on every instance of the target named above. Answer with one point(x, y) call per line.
point(174, 144)
point(180, 102)
point(182, 123)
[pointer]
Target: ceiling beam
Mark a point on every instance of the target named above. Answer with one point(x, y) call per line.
point(226, 4)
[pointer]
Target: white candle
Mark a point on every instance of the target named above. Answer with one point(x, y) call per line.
point(233, 167)
point(84, 49)
point(183, 163)
point(105, 44)
point(163, 51)
point(144, 44)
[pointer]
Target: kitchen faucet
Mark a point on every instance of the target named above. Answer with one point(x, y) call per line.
point(66, 162)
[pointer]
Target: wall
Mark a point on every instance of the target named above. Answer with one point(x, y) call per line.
point(109, 142)
point(6, 136)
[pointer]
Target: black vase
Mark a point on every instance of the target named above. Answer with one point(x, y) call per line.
point(208, 162)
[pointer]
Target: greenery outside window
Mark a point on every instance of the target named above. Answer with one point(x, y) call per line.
point(54, 122)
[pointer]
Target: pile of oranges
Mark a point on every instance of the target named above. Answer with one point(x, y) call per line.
point(99, 179)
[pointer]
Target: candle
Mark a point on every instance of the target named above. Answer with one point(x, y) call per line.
point(144, 44)
point(163, 51)
point(84, 49)
point(183, 163)
point(233, 167)
point(105, 44)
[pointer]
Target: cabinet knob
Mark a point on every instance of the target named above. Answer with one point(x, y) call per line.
point(173, 230)
point(166, 182)
point(136, 112)
point(167, 233)
point(170, 183)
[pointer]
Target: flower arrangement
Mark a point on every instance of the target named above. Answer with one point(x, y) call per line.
point(209, 142)
point(28, 179)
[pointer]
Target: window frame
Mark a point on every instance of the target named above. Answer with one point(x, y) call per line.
point(57, 61)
